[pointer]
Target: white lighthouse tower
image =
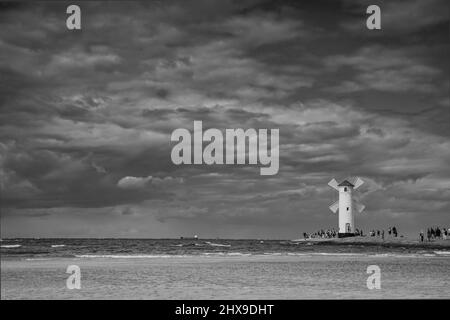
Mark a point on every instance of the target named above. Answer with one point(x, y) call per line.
point(345, 205)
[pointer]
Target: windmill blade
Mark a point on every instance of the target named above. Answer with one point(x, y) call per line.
point(358, 182)
point(358, 206)
point(334, 184)
point(334, 207)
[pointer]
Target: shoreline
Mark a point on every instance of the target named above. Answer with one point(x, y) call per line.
point(375, 241)
point(244, 277)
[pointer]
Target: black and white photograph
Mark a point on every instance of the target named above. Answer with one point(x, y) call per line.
point(225, 150)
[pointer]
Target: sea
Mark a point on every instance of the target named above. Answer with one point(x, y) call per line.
point(166, 248)
point(221, 269)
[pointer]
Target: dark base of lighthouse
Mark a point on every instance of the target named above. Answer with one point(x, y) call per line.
point(346, 235)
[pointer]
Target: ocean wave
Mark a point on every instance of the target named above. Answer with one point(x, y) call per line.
point(309, 254)
point(442, 252)
point(337, 254)
point(383, 255)
point(58, 245)
point(218, 244)
point(411, 255)
point(400, 255)
point(263, 254)
point(141, 256)
point(8, 246)
point(238, 254)
point(221, 254)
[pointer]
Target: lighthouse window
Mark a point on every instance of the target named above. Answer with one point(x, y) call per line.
point(345, 189)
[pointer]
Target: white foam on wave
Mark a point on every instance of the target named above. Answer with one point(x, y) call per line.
point(218, 244)
point(411, 255)
point(213, 253)
point(142, 256)
point(442, 252)
point(337, 254)
point(7, 246)
point(383, 255)
point(58, 245)
point(397, 255)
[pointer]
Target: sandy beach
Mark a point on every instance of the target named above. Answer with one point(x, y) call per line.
point(341, 276)
point(377, 241)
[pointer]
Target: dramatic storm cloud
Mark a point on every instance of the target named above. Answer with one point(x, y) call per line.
point(86, 116)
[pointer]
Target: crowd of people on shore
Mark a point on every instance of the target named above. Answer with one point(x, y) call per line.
point(333, 233)
point(392, 231)
point(432, 233)
point(435, 233)
point(327, 234)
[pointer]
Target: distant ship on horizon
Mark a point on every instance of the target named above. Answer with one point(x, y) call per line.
point(189, 238)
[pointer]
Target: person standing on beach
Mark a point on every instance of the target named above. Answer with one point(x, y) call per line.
point(421, 235)
point(389, 231)
point(394, 231)
point(428, 234)
point(382, 234)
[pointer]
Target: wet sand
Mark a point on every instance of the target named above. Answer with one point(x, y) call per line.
point(241, 277)
point(378, 241)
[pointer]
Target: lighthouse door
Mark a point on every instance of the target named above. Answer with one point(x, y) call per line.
point(347, 227)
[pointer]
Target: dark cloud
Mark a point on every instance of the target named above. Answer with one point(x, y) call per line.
point(86, 116)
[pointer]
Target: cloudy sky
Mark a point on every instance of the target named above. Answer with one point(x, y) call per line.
point(86, 116)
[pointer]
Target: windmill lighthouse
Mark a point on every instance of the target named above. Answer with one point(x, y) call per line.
point(346, 204)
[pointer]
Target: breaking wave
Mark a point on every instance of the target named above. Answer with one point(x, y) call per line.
point(218, 244)
point(442, 252)
point(137, 256)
